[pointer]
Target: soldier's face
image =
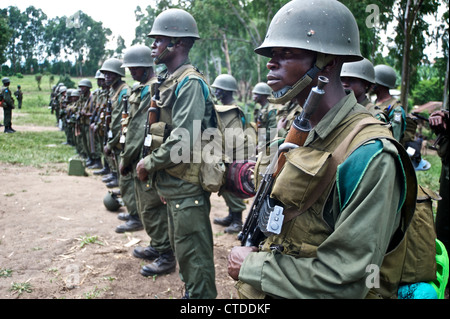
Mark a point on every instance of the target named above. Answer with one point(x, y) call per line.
point(158, 46)
point(137, 73)
point(110, 77)
point(358, 86)
point(287, 66)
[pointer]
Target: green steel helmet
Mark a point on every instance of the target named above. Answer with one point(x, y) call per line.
point(262, 88)
point(75, 92)
point(85, 82)
point(62, 89)
point(325, 26)
point(360, 69)
point(69, 93)
point(111, 203)
point(175, 23)
point(113, 65)
point(138, 56)
point(6, 80)
point(99, 75)
point(225, 82)
point(385, 76)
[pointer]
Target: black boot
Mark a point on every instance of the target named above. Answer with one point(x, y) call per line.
point(165, 264)
point(103, 171)
point(108, 178)
point(236, 223)
point(8, 129)
point(96, 164)
point(133, 224)
point(123, 216)
point(148, 253)
point(113, 183)
point(224, 221)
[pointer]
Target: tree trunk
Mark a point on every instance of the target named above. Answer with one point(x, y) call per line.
point(226, 52)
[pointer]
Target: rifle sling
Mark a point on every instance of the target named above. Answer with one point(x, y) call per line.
point(335, 160)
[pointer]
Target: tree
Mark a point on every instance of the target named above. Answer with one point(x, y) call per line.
point(5, 33)
point(410, 40)
point(78, 36)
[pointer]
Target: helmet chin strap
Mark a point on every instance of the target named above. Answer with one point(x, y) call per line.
point(168, 49)
point(287, 93)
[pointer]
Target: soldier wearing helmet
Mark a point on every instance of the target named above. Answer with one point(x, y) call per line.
point(359, 77)
point(266, 115)
point(113, 73)
point(385, 79)
point(7, 103)
point(346, 214)
point(86, 110)
point(151, 210)
point(184, 100)
point(118, 101)
point(98, 121)
point(232, 116)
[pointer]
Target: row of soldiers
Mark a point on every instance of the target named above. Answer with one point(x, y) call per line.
point(170, 202)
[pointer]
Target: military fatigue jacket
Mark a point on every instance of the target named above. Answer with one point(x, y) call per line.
point(8, 101)
point(185, 104)
point(349, 232)
point(116, 97)
point(139, 102)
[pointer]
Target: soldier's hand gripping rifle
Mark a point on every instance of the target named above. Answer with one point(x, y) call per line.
point(152, 117)
point(265, 216)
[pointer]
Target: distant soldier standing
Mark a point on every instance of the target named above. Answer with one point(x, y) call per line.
point(385, 78)
point(118, 94)
point(85, 87)
point(359, 77)
point(7, 103)
point(266, 115)
point(225, 85)
point(19, 96)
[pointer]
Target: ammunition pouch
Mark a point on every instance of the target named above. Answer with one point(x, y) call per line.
point(159, 132)
point(304, 170)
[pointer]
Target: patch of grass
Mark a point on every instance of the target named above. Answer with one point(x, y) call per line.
point(430, 178)
point(5, 272)
point(96, 292)
point(21, 287)
point(34, 148)
point(85, 240)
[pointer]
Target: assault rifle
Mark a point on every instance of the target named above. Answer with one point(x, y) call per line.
point(124, 120)
point(107, 131)
point(152, 117)
point(266, 214)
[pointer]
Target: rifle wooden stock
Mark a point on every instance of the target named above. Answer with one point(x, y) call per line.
point(251, 235)
point(152, 118)
point(301, 127)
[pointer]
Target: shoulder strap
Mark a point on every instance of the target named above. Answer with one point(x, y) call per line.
point(336, 159)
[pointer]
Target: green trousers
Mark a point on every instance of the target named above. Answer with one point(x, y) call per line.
point(127, 191)
point(192, 241)
point(7, 116)
point(153, 214)
point(234, 203)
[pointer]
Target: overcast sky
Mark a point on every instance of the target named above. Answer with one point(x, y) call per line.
point(115, 15)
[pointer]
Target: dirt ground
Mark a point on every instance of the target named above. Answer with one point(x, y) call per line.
point(44, 217)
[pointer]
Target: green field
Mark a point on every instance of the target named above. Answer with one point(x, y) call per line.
point(31, 148)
